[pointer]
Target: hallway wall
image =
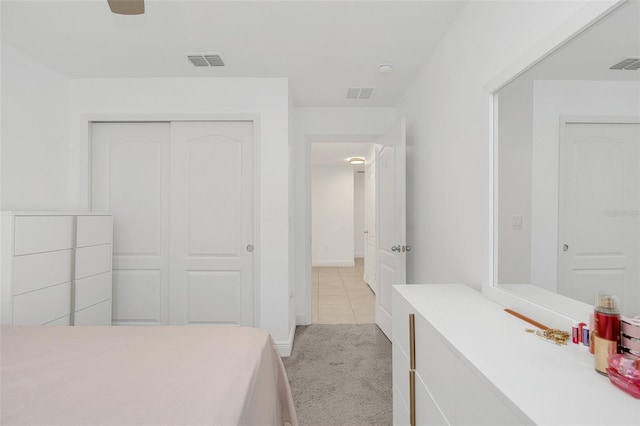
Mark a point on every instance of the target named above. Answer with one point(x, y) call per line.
point(332, 222)
point(358, 215)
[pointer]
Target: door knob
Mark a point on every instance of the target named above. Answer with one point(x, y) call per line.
point(395, 248)
point(565, 247)
point(250, 248)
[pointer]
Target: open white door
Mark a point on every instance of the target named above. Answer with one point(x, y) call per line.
point(370, 225)
point(390, 220)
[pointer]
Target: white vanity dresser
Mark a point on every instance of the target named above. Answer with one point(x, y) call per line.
point(56, 268)
point(475, 365)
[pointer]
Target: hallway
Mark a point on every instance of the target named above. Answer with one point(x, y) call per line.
point(340, 296)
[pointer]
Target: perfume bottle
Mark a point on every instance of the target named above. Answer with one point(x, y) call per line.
point(606, 331)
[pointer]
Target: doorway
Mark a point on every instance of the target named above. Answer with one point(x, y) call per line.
point(181, 194)
point(340, 225)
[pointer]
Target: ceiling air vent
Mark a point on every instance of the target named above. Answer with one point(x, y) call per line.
point(627, 64)
point(352, 93)
point(359, 93)
point(206, 60)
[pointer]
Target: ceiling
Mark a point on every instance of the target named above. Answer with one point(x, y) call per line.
point(590, 55)
point(323, 47)
point(337, 154)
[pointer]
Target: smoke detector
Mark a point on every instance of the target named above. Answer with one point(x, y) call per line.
point(385, 69)
point(205, 59)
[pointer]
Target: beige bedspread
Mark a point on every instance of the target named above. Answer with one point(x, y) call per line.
point(142, 376)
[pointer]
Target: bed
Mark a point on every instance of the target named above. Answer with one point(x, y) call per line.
point(142, 376)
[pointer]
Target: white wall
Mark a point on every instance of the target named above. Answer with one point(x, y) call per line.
point(323, 125)
point(267, 99)
point(35, 160)
point(358, 215)
point(291, 224)
point(447, 110)
point(332, 215)
point(553, 99)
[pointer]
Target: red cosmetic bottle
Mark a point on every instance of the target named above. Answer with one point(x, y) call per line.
point(606, 332)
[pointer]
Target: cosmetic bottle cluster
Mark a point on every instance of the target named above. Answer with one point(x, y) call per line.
point(614, 341)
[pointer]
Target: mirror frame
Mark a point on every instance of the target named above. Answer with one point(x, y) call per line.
point(550, 308)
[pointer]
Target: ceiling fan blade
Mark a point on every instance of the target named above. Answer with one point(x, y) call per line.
point(127, 7)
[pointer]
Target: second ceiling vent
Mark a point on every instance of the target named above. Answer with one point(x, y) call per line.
point(629, 64)
point(206, 60)
point(359, 93)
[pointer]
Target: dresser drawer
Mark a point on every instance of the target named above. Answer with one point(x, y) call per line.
point(435, 363)
point(99, 314)
point(400, 330)
point(42, 306)
point(400, 373)
point(476, 404)
point(94, 230)
point(427, 411)
point(93, 260)
point(36, 271)
point(93, 289)
point(401, 414)
point(36, 234)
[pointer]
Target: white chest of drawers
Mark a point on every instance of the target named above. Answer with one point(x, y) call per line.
point(56, 268)
point(475, 365)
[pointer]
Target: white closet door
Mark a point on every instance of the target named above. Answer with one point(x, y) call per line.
point(130, 179)
point(212, 223)
point(599, 225)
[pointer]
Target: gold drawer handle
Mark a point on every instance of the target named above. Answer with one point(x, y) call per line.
point(412, 341)
point(412, 398)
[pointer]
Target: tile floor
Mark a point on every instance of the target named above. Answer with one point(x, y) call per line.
point(340, 296)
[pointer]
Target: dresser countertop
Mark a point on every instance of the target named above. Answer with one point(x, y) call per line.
point(548, 383)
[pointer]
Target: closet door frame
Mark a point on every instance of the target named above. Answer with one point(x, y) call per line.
point(85, 170)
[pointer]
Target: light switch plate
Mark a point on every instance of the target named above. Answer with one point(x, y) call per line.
point(516, 223)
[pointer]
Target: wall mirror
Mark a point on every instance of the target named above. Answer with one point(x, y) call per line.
point(566, 169)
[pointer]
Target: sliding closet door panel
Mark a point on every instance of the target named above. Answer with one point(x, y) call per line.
point(130, 179)
point(137, 296)
point(212, 223)
point(214, 197)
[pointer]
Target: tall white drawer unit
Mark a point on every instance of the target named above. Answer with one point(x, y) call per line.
point(56, 268)
point(459, 359)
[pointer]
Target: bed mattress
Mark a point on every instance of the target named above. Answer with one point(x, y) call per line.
point(142, 376)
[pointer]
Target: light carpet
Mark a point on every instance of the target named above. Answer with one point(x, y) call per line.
point(341, 375)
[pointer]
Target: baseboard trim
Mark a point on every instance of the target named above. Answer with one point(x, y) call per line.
point(285, 347)
point(302, 320)
point(334, 263)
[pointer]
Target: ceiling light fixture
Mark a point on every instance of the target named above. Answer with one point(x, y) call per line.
point(356, 160)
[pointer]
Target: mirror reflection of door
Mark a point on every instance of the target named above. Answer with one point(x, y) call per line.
point(598, 229)
point(591, 77)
